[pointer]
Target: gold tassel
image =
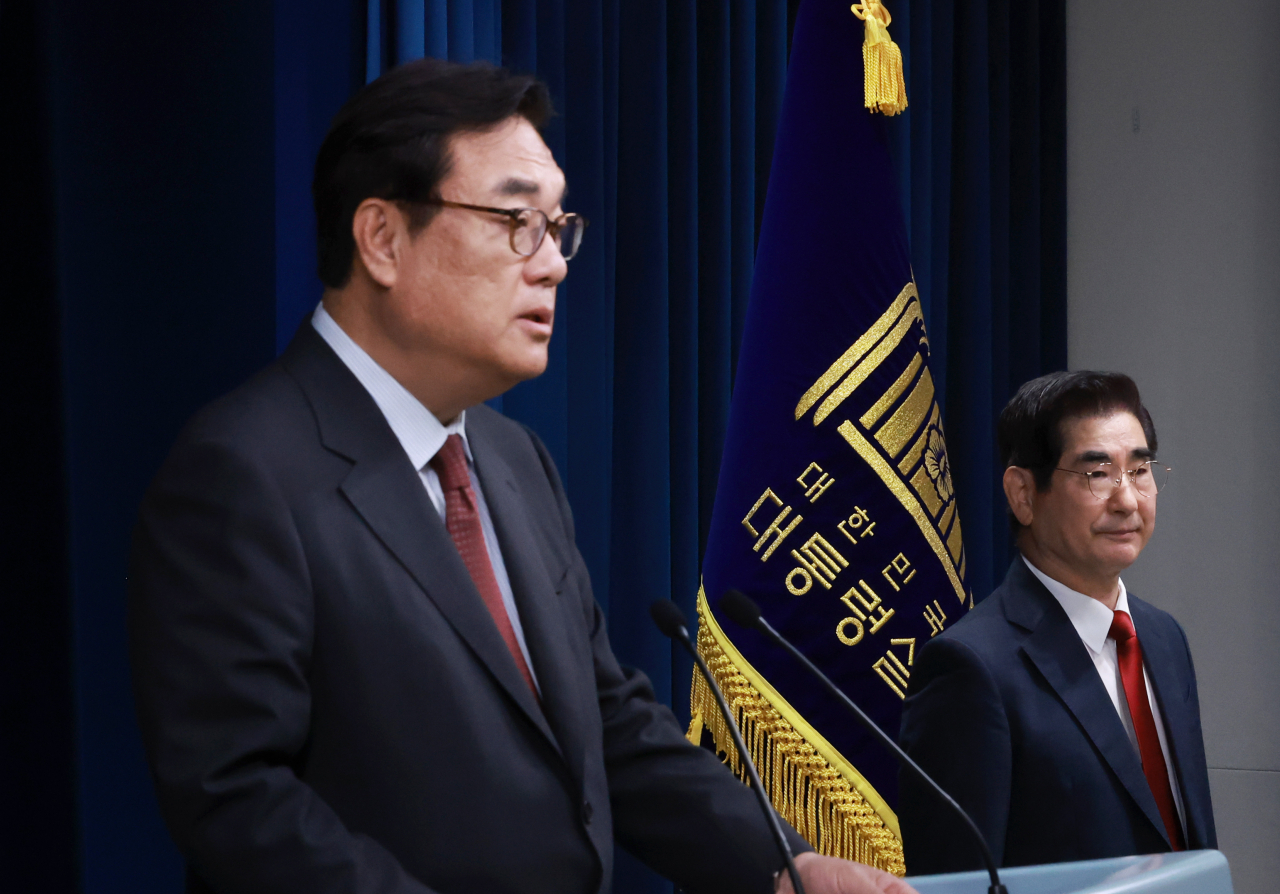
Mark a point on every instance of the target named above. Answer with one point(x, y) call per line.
point(885, 89)
point(808, 792)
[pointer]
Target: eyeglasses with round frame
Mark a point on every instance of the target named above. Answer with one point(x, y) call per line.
point(1148, 478)
point(529, 226)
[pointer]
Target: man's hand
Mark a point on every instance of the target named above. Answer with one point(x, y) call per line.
point(829, 875)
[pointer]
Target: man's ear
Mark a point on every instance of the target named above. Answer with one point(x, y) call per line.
point(379, 228)
point(1019, 486)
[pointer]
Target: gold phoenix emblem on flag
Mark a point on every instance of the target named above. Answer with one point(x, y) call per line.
point(899, 435)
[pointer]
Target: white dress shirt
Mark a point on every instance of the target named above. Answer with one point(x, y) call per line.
point(1092, 620)
point(421, 435)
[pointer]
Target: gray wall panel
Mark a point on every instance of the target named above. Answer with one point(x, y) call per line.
point(1247, 808)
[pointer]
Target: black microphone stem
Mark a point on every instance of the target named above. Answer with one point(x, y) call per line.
point(770, 814)
point(767, 628)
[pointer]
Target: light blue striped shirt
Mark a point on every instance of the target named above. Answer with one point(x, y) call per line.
point(421, 435)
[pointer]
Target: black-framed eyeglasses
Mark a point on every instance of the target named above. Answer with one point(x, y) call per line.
point(1148, 478)
point(529, 226)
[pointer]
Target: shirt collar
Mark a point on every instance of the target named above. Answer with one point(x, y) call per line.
point(1091, 619)
point(417, 429)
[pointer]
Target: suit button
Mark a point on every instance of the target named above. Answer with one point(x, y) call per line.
point(587, 812)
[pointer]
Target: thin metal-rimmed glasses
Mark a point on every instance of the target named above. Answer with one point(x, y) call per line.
point(1147, 479)
point(529, 226)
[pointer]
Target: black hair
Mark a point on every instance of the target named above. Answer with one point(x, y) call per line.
point(390, 141)
point(1031, 429)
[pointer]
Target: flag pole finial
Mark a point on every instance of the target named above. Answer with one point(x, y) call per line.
point(885, 88)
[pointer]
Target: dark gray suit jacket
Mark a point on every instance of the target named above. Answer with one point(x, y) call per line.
point(327, 705)
point(1007, 712)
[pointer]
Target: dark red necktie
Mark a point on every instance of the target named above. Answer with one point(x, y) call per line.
point(1129, 653)
point(462, 520)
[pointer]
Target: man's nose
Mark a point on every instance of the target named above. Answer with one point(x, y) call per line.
point(1125, 497)
point(547, 264)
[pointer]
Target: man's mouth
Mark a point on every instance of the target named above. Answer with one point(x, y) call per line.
point(541, 315)
point(536, 323)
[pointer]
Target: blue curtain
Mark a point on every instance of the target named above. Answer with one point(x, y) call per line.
point(37, 750)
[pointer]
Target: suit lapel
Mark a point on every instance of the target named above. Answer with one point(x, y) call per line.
point(1054, 647)
point(1162, 659)
point(561, 682)
point(387, 492)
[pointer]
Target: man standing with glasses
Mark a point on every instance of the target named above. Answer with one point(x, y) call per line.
point(366, 654)
point(1062, 711)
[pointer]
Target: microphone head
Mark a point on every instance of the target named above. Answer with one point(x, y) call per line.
point(670, 620)
point(741, 609)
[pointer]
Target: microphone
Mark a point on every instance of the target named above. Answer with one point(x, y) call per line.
point(670, 620)
point(743, 611)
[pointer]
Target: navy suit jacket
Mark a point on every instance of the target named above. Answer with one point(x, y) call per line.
point(327, 705)
point(1007, 712)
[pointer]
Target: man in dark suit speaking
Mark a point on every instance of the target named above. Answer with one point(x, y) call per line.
point(1062, 712)
point(366, 653)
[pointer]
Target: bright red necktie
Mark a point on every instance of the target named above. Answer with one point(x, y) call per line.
point(1129, 653)
point(462, 520)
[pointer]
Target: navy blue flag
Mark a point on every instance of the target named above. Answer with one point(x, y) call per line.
point(834, 509)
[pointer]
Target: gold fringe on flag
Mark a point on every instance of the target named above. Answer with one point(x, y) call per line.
point(885, 89)
point(812, 786)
